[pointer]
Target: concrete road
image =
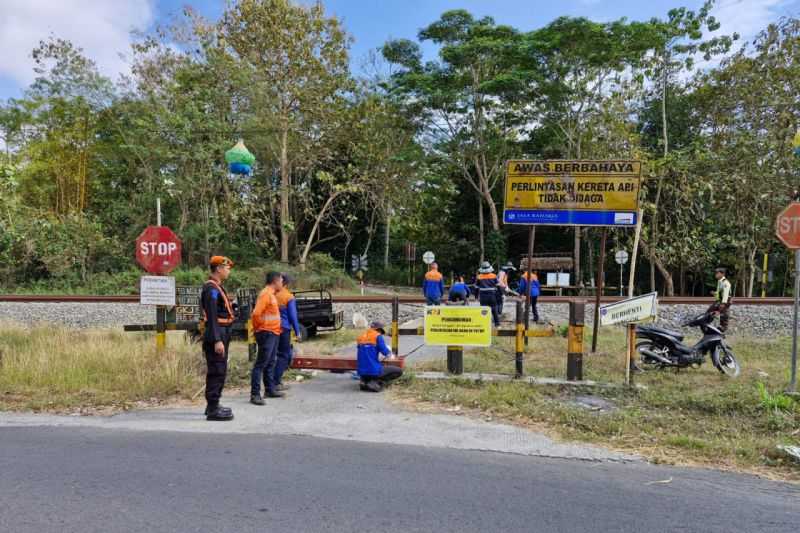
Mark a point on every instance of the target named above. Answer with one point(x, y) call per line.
point(84, 480)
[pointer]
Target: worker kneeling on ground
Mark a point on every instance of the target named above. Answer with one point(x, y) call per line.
point(459, 292)
point(371, 350)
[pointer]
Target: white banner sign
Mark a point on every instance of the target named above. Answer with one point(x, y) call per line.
point(157, 290)
point(631, 310)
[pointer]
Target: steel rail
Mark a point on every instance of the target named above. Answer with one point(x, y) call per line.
point(381, 298)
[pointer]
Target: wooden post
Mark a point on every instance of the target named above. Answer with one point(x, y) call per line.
point(635, 252)
point(575, 340)
point(599, 290)
point(396, 325)
point(630, 356)
point(520, 346)
point(455, 359)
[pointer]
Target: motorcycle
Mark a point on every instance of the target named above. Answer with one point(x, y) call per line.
point(664, 348)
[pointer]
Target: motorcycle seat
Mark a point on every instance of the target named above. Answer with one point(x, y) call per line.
point(655, 329)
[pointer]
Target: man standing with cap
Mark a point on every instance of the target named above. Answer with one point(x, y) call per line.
point(217, 316)
point(267, 326)
point(371, 346)
point(722, 297)
point(487, 290)
point(288, 309)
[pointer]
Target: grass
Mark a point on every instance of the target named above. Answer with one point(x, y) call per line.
point(695, 416)
point(57, 369)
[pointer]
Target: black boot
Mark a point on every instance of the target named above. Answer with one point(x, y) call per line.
point(275, 394)
point(256, 399)
point(219, 414)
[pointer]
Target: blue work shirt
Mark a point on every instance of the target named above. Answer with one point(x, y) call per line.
point(370, 345)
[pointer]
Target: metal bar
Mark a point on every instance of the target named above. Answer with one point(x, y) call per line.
point(599, 292)
point(793, 376)
point(333, 363)
point(403, 300)
point(180, 326)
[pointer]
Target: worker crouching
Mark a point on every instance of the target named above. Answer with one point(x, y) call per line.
point(371, 350)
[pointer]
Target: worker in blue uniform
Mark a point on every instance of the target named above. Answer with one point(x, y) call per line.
point(459, 292)
point(433, 286)
point(371, 349)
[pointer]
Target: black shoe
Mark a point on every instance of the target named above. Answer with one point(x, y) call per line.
point(281, 387)
point(221, 407)
point(372, 386)
point(256, 399)
point(275, 394)
point(220, 414)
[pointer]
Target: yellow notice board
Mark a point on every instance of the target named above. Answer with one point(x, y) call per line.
point(572, 192)
point(458, 326)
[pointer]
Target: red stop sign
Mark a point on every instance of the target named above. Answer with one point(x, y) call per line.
point(158, 250)
point(787, 227)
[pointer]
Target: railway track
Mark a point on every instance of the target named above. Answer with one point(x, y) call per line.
point(380, 298)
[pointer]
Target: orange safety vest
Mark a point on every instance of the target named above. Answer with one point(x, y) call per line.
point(266, 315)
point(228, 307)
point(433, 275)
point(284, 296)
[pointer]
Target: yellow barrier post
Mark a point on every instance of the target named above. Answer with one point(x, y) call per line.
point(161, 328)
point(252, 348)
point(520, 341)
point(396, 325)
point(575, 341)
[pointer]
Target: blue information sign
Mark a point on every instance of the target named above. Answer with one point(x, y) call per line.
point(565, 217)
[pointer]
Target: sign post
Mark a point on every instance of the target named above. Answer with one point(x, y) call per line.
point(158, 251)
point(621, 257)
point(574, 193)
point(630, 312)
point(787, 228)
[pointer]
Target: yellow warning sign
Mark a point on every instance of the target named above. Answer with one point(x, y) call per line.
point(458, 326)
point(573, 185)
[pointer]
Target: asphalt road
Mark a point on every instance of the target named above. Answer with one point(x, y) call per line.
point(97, 480)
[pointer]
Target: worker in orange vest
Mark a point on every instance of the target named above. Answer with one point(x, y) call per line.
point(433, 286)
point(288, 308)
point(266, 320)
point(371, 350)
point(217, 316)
point(487, 290)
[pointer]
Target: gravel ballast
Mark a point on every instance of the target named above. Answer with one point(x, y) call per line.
point(752, 320)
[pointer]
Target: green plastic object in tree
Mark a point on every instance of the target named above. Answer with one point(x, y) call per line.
point(239, 154)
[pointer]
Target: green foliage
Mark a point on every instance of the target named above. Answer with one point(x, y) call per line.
point(774, 402)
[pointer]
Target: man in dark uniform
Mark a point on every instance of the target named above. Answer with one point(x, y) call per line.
point(218, 315)
point(487, 290)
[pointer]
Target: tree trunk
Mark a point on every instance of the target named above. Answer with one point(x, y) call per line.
point(285, 221)
point(480, 227)
point(317, 222)
point(669, 285)
point(386, 240)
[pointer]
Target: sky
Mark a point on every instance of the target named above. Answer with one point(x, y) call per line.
point(103, 28)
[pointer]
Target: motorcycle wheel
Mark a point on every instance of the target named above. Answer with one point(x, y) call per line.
point(724, 360)
point(643, 362)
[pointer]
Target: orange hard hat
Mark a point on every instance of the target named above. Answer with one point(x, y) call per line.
point(220, 260)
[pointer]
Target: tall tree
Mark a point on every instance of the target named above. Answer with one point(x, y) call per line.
point(297, 63)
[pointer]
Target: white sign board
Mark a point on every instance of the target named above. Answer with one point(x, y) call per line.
point(157, 290)
point(428, 258)
point(631, 310)
point(621, 257)
point(557, 279)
